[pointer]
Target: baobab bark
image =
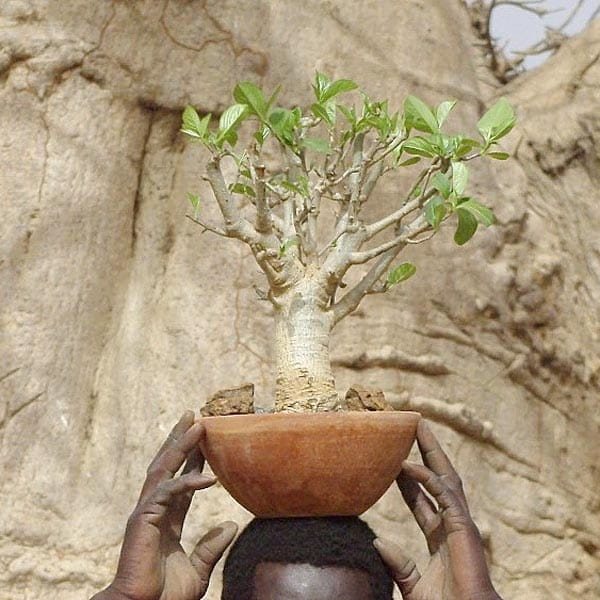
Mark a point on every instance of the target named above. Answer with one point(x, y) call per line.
point(303, 324)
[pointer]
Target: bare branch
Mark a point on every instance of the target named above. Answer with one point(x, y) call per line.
point(353, 298)
point(371, 182)
point(389, 149)
point(578, 6)
point(533, 6)
point(503, 67)
point(206, 227)
point(370, 282)
point(391, 219)
point(356, 177)
point(235, 225)
point(311, 229)
point(407, 207)
point(419, 225)
point(281, 271)
point(421, 240)
point(264, 222)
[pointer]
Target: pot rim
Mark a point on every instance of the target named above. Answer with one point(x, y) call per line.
point(353, 414)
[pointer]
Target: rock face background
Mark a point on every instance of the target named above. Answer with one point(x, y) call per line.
point(117, 314)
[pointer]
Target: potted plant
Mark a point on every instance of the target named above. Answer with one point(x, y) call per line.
point(271, 170)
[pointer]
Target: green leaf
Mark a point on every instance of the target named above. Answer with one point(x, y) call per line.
point(349, 113)
point(272, 98)
point(409, 161)
point(467, 226)
point(435, 211)
point(324, 111)
point(482, 213)
point(317, 145)
point(242, 188)
point(497, 121)
point(283, 121)
point(233, 116)
point(400, 273)
point(464, 146)
point(192, 125)
point(321, 83)
point(419, 116)
point(443, 110)
point(442, 184)
point(292, 187)
point(498, 155)
point(248, 93)
point(194, 201)
point(230, 120)
point(190, 118)
point(300, 187)
point(287, 245)
point(460, 176)
point(419, 146)
point(261, 135)
point(337, 87)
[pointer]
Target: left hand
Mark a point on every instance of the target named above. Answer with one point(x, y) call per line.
point(457, 569)
point(153, 565)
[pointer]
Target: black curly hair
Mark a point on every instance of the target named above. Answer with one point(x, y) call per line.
point(321, 542)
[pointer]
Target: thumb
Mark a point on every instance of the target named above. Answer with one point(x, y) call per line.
point(403, 569)
point(210, 548)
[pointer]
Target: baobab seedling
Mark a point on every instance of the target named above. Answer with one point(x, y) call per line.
point(334, 152)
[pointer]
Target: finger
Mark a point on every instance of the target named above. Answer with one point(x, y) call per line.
point(210, 548)
point(166, 464)
point(422, 508)
point(185, 422)
point(454, 514)
point(181, 503)
point(154, 508)
point(437, 460)
point(403, 569)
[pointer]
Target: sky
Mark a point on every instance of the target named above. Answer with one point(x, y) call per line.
point(517, 29)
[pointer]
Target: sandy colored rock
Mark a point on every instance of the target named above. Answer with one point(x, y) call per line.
point(232, 401)
point(116, 314)
point(360, 398)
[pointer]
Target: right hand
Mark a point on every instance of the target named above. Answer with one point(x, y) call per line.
point(457, 569)
point(153, 565)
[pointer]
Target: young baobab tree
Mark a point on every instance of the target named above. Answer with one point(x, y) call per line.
point(334, 153)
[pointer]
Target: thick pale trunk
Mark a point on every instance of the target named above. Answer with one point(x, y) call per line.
point(304, 379)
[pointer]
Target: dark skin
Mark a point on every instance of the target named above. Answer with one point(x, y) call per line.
point(278, 581)
point(154, 566)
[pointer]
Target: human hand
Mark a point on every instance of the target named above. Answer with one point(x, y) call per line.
point(457, 569)
point(153, 564)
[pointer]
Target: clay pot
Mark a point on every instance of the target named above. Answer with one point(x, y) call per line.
point(317, 464)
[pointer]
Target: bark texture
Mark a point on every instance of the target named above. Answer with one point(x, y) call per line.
point(116, 314)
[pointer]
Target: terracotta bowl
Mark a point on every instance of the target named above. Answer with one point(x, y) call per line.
point(301, 465)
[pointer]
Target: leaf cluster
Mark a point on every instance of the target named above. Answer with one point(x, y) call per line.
point(333, 145)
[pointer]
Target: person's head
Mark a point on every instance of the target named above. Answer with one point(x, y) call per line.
point(325, 558)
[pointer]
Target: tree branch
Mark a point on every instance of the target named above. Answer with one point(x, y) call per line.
point(387, 253)
point(281, 271)
point(391, 219)
point(235, 225)
point(356, 177)
point(419, 225)
point(207, 227)
point(353, 298)
point(264, 220)
point(312, 220)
